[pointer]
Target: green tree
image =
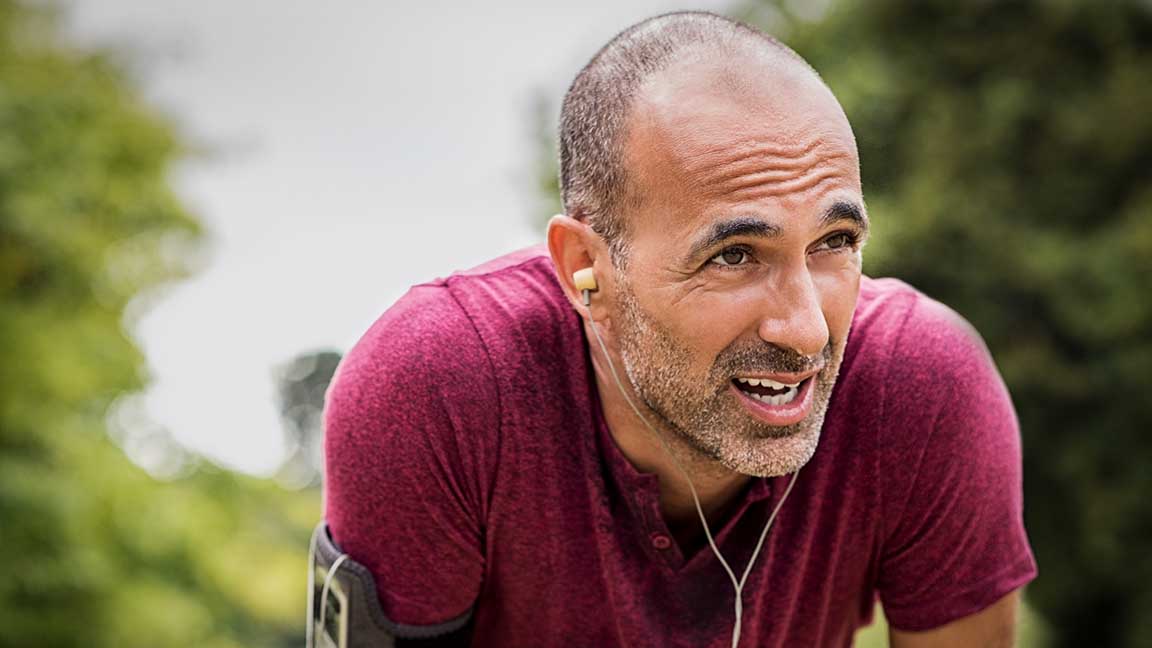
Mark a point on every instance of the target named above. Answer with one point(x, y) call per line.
point(1007, 162)
point(96, 552)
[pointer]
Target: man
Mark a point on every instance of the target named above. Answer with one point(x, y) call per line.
point(523, 454)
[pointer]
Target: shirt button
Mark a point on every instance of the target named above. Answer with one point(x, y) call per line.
point(660, 541)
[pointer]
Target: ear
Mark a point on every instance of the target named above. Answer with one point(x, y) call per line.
point(574, 246)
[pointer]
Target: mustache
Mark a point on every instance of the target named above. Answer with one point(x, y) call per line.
point(769, 358)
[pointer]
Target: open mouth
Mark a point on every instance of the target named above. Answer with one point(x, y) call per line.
point(769, 391)
point(775, 402)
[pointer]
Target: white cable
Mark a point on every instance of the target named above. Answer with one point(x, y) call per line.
point(324, 592)
point(737, 585)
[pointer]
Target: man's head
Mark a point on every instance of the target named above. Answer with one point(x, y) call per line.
point(713, 182)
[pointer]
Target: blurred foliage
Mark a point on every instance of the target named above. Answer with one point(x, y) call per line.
point(1006, 150)
point(300, 386)
point(96, 552)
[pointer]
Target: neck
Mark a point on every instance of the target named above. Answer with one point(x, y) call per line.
point(716, 485)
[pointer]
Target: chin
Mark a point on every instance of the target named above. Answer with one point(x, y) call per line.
point(775, 455)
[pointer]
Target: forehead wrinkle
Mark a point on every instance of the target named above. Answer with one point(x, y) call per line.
point(773, 171)
point(755, 188)
point(770, 159)
point(693, 142)
point(772, 178)
point(751, 149)
point(700, 147)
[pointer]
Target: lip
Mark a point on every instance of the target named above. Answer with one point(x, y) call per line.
point(780, 415)
point(786, 378)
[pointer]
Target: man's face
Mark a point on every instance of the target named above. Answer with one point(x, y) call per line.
point(744, 260)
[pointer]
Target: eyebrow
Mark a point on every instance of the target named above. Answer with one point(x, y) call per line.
point(751, 226)
point(842, 210)
point(732, 228)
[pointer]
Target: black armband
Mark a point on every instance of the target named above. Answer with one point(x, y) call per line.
point(344, 608)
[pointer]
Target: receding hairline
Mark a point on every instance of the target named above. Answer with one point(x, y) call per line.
point(730, 34)
point(738, 68)
point(739, 78)
point(601, 103)
point(748, 43)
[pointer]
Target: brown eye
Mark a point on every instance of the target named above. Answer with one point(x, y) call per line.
point(837, 241)
point(730, 257)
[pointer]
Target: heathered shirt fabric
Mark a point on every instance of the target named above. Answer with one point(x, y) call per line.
point(470, 468)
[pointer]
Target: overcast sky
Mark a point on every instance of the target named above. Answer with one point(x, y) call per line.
point(361, 147)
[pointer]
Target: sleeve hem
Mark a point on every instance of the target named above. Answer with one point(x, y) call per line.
point(966, 603)
point(407, 631)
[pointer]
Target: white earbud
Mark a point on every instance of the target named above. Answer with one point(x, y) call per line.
point(585, 280)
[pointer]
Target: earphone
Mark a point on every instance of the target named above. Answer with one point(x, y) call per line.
point(585, 281)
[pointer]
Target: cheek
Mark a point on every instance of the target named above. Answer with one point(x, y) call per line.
point(838, 285)
point(708, 323)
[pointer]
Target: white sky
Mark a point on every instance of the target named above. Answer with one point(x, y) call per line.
point(366, 146)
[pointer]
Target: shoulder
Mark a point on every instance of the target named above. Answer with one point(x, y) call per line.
point(940, 405)
point(413, 398)
point(514, 300)
point(412, 429)
point(424, 334)
point(450, 349)
point(449, 327)
point(928, 368)
point(949, 460)
point(416, 404)
point(912, 340)
point(945, 413)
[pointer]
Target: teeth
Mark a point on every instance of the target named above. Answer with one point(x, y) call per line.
point(781, 399)
point(757, 382)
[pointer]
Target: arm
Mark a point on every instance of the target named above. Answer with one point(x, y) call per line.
point(992, 627)
point(955, 550)
point(344, 610)
point(409, 422)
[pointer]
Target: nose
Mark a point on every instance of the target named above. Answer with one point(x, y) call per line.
point(793, 315)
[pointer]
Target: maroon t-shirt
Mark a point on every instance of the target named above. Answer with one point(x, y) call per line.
point(470, 468)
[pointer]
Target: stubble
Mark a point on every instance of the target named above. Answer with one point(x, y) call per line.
point(699, 408)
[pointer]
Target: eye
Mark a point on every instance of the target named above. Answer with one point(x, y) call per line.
point(730, 257)
point(840, 241)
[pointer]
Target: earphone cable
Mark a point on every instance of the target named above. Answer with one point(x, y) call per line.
point(324, 591)
point(737, 585)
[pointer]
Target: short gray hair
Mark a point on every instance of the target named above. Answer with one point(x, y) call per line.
point(593, 183)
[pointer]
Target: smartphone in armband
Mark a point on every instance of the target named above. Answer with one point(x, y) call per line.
point(344, 606)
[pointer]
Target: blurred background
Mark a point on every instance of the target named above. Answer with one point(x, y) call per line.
point(203, 204)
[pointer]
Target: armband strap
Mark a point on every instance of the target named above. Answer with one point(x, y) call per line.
point(344, 607)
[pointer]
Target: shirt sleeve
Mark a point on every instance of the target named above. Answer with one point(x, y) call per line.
point(409, 423)
point(954, 538)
